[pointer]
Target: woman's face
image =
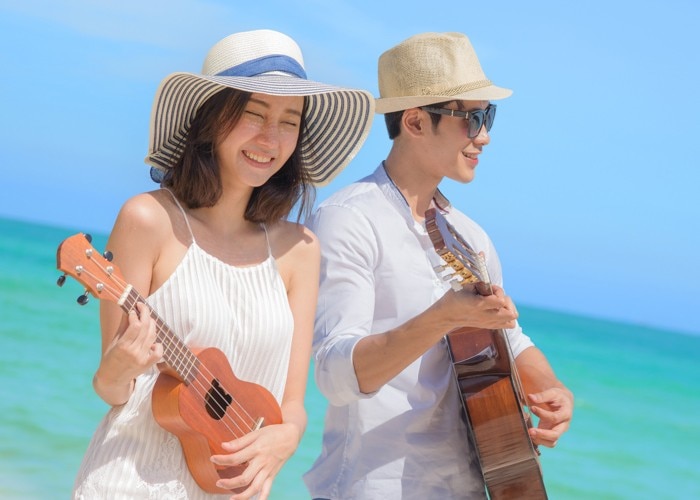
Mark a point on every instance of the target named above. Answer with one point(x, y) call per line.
point(262, 141)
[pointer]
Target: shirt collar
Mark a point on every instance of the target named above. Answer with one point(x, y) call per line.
point(396, 197)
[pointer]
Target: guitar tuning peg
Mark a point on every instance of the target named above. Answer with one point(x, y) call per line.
point(439, 269)
point(61, 280)
point(108, 255)
point(456, 285)
point(83, 299)
point(88, 237)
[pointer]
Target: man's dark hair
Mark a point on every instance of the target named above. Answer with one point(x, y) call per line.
point(393, 120)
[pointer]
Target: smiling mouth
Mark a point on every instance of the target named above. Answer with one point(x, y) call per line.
point(257, 157)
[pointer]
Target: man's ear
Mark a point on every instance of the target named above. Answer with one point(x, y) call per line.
point(413, 121)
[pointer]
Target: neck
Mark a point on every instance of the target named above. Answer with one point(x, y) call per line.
point(417, 187)
point(227, 216)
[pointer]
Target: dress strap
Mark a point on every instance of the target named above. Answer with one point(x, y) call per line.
point(184, 214)
point(267, 238)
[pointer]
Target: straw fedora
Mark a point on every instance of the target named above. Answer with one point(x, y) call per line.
point(430, 68)
point(262, 61)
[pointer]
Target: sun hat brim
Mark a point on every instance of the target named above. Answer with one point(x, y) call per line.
point(338, 119)
point(488, 93)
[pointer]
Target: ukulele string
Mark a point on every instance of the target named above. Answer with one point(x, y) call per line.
point(200, 390)
point(181, 352)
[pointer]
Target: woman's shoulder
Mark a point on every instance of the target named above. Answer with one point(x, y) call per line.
point(145, 216)
point(288, 237)
point(147, 209)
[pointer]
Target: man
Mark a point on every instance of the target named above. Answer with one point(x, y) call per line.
point(393, 427)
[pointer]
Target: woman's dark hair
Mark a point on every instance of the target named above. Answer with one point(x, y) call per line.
point(393, 120)
point(196, 180)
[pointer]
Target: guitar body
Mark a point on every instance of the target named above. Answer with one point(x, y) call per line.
point(492, 398)
point(202, 424)
point(494, 414)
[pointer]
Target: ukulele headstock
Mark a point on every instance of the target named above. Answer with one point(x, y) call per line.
point(77, 258)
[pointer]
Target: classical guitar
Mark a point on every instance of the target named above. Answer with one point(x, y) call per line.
point(196, 396)
point(493, 402)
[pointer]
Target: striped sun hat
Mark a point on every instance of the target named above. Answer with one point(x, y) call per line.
point(268, 62)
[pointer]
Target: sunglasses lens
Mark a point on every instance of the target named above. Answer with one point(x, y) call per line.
point(476, 121)
point(490, 116)
point(479, 118)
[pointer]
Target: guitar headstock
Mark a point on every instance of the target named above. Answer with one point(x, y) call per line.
point(77, 258)
point(467, 264)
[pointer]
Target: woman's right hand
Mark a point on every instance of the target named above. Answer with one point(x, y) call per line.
point(131, 353)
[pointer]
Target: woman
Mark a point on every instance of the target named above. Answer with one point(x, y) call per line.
point(235, 149)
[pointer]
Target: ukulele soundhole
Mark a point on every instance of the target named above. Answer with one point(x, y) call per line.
point(217, 401)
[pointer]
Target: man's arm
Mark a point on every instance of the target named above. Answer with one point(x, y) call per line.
point(380, 357)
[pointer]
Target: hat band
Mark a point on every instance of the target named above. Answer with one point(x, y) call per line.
point(266, 64)
point(479, 84)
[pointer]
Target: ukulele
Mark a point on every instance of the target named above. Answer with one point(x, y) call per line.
point(196, 396)
point(493, 403)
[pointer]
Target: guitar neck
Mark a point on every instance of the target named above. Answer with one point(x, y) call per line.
point(176, 354)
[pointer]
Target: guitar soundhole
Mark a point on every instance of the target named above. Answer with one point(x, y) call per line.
point(217, 401)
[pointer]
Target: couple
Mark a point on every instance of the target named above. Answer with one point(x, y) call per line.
point(234, 150)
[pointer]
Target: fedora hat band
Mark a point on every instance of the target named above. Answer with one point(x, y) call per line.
point(266, 64)
point(461, 89)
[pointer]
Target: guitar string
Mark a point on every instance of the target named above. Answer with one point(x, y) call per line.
point(472, 255)
point(200, 387)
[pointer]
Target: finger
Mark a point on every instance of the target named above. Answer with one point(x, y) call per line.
point(133, 327)
point(266, 489)
point(156, 352)
point(143, 310)
point(151, 333)
point(551, 397)
point(243, 480)
point(544, 437)
point(230, 459)
point(510, 305)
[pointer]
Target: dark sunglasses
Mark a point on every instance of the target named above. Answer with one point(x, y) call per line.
point(476, 118)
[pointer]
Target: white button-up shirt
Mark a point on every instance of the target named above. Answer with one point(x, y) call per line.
point(407, 440)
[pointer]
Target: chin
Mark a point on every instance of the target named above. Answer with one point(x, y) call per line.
point(463, 177)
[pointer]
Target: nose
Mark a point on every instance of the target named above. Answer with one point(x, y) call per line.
point(269, 134)
point(483, 136)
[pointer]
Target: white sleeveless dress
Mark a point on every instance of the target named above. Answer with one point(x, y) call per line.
point(244, 312)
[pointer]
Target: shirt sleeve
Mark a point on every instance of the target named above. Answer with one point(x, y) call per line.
point(345, 309)
point(517, 340)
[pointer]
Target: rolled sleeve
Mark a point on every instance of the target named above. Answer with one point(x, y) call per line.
point(346, 298)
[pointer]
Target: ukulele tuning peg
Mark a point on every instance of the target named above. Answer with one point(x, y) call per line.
point(88, 237)
point(108, 255)
point(61, 280)
point(83, 299)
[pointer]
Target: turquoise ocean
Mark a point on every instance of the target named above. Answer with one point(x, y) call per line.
point(635, 433)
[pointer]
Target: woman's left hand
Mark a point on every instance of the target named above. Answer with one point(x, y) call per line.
point(265, 451)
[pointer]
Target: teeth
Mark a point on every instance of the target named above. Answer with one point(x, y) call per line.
point(258, 158)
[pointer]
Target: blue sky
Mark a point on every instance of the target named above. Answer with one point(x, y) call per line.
point(588, 187)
